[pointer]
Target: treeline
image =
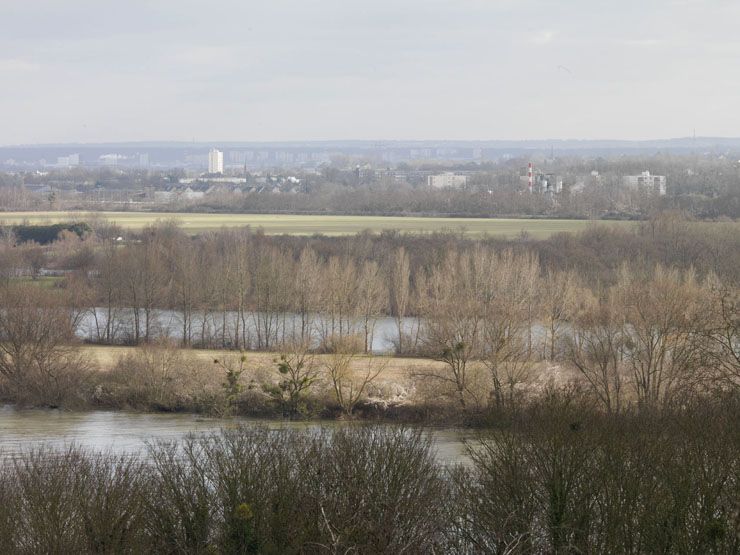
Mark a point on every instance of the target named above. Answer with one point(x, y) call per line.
point(45, 234)
point(650, 338)
point(648, 334)
point(705, 188)
point(556, 478)
point(241, 289)
point(602, 200)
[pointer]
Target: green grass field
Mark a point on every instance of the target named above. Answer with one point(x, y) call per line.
point(307, 225)
point(45, 282)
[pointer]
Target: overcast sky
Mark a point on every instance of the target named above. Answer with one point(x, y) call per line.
point(218, 70)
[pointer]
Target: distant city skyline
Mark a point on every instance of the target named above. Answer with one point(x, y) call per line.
point(148, 70)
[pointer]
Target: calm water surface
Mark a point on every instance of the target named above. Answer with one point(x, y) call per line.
point(127, 432)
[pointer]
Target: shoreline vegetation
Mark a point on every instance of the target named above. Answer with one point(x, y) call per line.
point(302, 385)
point(554, 477)
point(638, 319)
point(612, 430)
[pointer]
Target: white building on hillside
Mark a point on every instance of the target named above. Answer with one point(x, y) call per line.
point(215, 161)
point(647, 182)
point(447, 179)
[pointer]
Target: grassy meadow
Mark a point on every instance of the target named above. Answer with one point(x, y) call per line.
point(396, 372)
point(395, 369)
point(275, 224)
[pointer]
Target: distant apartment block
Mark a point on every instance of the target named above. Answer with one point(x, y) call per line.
point(215, 161)
point(68, 161)
point(447, 179)
point(647, 182)
point(111, 159)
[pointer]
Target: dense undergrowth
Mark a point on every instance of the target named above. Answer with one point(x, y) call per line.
point(553, 477)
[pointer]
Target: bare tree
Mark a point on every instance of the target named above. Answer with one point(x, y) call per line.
point(595, 349)
point(371, 299)
point(34, 258)
point(307, 290)
point(111, 293)
point(37, 358)
point(144, 282)
point(339, 298)
point(240, 263)
point(350, 384)
point(662, 345)
point(183, 267)
point(399, 286)
point(453, 321)
point(722, 329)
point(506, 303)
point(271, 276)
point(298, 374)
point(558, 296)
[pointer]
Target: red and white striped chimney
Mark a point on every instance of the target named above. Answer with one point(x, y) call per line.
point(529, 176)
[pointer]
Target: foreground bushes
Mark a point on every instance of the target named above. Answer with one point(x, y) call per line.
point(244, 491)
point(561, 478)
point(555, 478)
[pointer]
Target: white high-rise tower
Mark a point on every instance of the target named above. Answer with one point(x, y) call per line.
point(215, 161)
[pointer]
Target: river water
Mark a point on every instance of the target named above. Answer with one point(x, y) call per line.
point(128, 432)
point(217, 329)
point(213, 327)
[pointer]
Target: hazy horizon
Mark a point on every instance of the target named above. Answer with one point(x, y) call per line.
point(230, 71)
point(380, 142)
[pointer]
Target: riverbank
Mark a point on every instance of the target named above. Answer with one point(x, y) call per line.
point(163, 378)
point(342, 386)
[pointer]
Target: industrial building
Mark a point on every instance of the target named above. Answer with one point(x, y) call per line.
point(543, 183)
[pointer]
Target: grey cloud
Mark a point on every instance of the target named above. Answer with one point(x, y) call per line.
point(302, 69)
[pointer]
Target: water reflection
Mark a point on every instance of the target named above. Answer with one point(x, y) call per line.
point(218, 329)
point(126, 432)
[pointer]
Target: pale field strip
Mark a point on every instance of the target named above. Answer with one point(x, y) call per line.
point(277, 224)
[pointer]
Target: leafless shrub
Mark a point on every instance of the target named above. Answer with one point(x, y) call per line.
point(161, 377)
point(350, 377)
point(556, 476)
point(37, 361)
